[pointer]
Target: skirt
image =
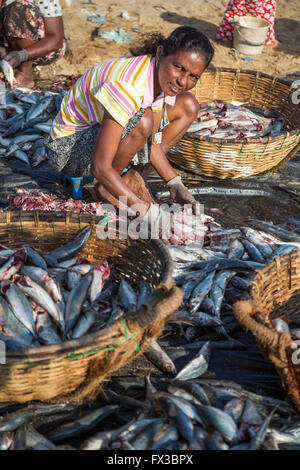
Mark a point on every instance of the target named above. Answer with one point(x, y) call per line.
point(23, 19)
point(72, 155)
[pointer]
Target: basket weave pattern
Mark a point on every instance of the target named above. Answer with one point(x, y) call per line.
point(75, 369)
point(275, 292)
point(243, 157)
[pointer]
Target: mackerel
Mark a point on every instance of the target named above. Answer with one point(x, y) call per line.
point(69, 250)
point(41, 277)
point(74, 304)
point(42, 298)
point(20, 305)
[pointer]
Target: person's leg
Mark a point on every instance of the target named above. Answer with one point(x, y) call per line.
point(180, 117)
point(134, 137)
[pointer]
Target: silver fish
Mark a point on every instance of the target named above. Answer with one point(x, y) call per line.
point(46, 330)
point(8, 72)
point(197, 366)
point(38, 108)
point(158, 357)
point(81, 425)
point(127, 295)
point(221, 421)
point(75, 301)
point(69, 250)
point(42, 298)
point(19, 304)
point(41, 277)
point(39, 156)
point(12, 324)
point(84, 323)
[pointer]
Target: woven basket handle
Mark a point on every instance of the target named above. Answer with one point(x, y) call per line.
point(267, 338)
point(253, 43)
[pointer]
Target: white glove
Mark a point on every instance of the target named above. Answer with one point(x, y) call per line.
point(156, 223)
point(15, 58)
point(180, 193)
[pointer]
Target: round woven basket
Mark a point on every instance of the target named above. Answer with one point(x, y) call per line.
point(75, 369)
point(275, 293)
point(243, 157)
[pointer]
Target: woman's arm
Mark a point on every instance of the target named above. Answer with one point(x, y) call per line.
point(53, 40)
point(102, 162)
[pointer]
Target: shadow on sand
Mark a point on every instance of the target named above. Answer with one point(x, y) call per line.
point(209, 29)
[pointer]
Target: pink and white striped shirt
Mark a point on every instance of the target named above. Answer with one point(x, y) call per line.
point(121, 86)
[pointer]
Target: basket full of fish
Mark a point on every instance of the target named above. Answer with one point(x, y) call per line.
point(247, 124)
point(272, 314)
point(75, 307)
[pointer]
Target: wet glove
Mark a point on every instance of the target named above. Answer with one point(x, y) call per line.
point(180, 193)
point(15, 58)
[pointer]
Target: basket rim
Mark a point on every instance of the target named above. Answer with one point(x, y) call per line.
point(262, 140)
point(72, 346)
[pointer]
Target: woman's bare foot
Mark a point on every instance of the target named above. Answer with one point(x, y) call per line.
point(23, 75)
point(24, 80)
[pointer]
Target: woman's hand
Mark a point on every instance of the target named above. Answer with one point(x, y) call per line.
point(180, 193)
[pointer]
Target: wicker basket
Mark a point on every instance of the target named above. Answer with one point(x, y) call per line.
point(275, 292)
point(244, 157)
point(75, 369)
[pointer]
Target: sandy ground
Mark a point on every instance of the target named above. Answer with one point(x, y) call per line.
point(85, 48)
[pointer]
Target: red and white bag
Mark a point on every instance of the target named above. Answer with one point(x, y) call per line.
point(265, 9)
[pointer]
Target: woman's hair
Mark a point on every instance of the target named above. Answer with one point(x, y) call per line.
point(184, 37)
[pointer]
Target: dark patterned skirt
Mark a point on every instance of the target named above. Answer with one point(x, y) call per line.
point(72, 155)
point(22, 19)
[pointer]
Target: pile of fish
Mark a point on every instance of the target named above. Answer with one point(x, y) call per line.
point(188, 412)
point(48, 298)
point(26, 118)
point(218, 273)
point(233, 120)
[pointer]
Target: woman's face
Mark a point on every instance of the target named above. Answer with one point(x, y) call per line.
point(178, 72)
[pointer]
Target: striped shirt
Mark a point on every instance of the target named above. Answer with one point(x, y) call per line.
point(121, 86)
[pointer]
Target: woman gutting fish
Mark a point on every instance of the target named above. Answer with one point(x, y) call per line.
point(127, 106)
point(31, 33)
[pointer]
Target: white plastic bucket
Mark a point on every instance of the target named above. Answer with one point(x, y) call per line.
point(250, 34)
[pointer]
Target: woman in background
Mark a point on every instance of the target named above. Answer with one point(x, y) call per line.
point(264, 9)
point(31, 33)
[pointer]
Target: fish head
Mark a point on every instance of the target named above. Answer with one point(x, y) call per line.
point(8, 72)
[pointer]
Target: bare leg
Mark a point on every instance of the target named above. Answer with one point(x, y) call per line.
point(23, 74)
point(180, 117)
point(133, 142)
point(126, 151)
